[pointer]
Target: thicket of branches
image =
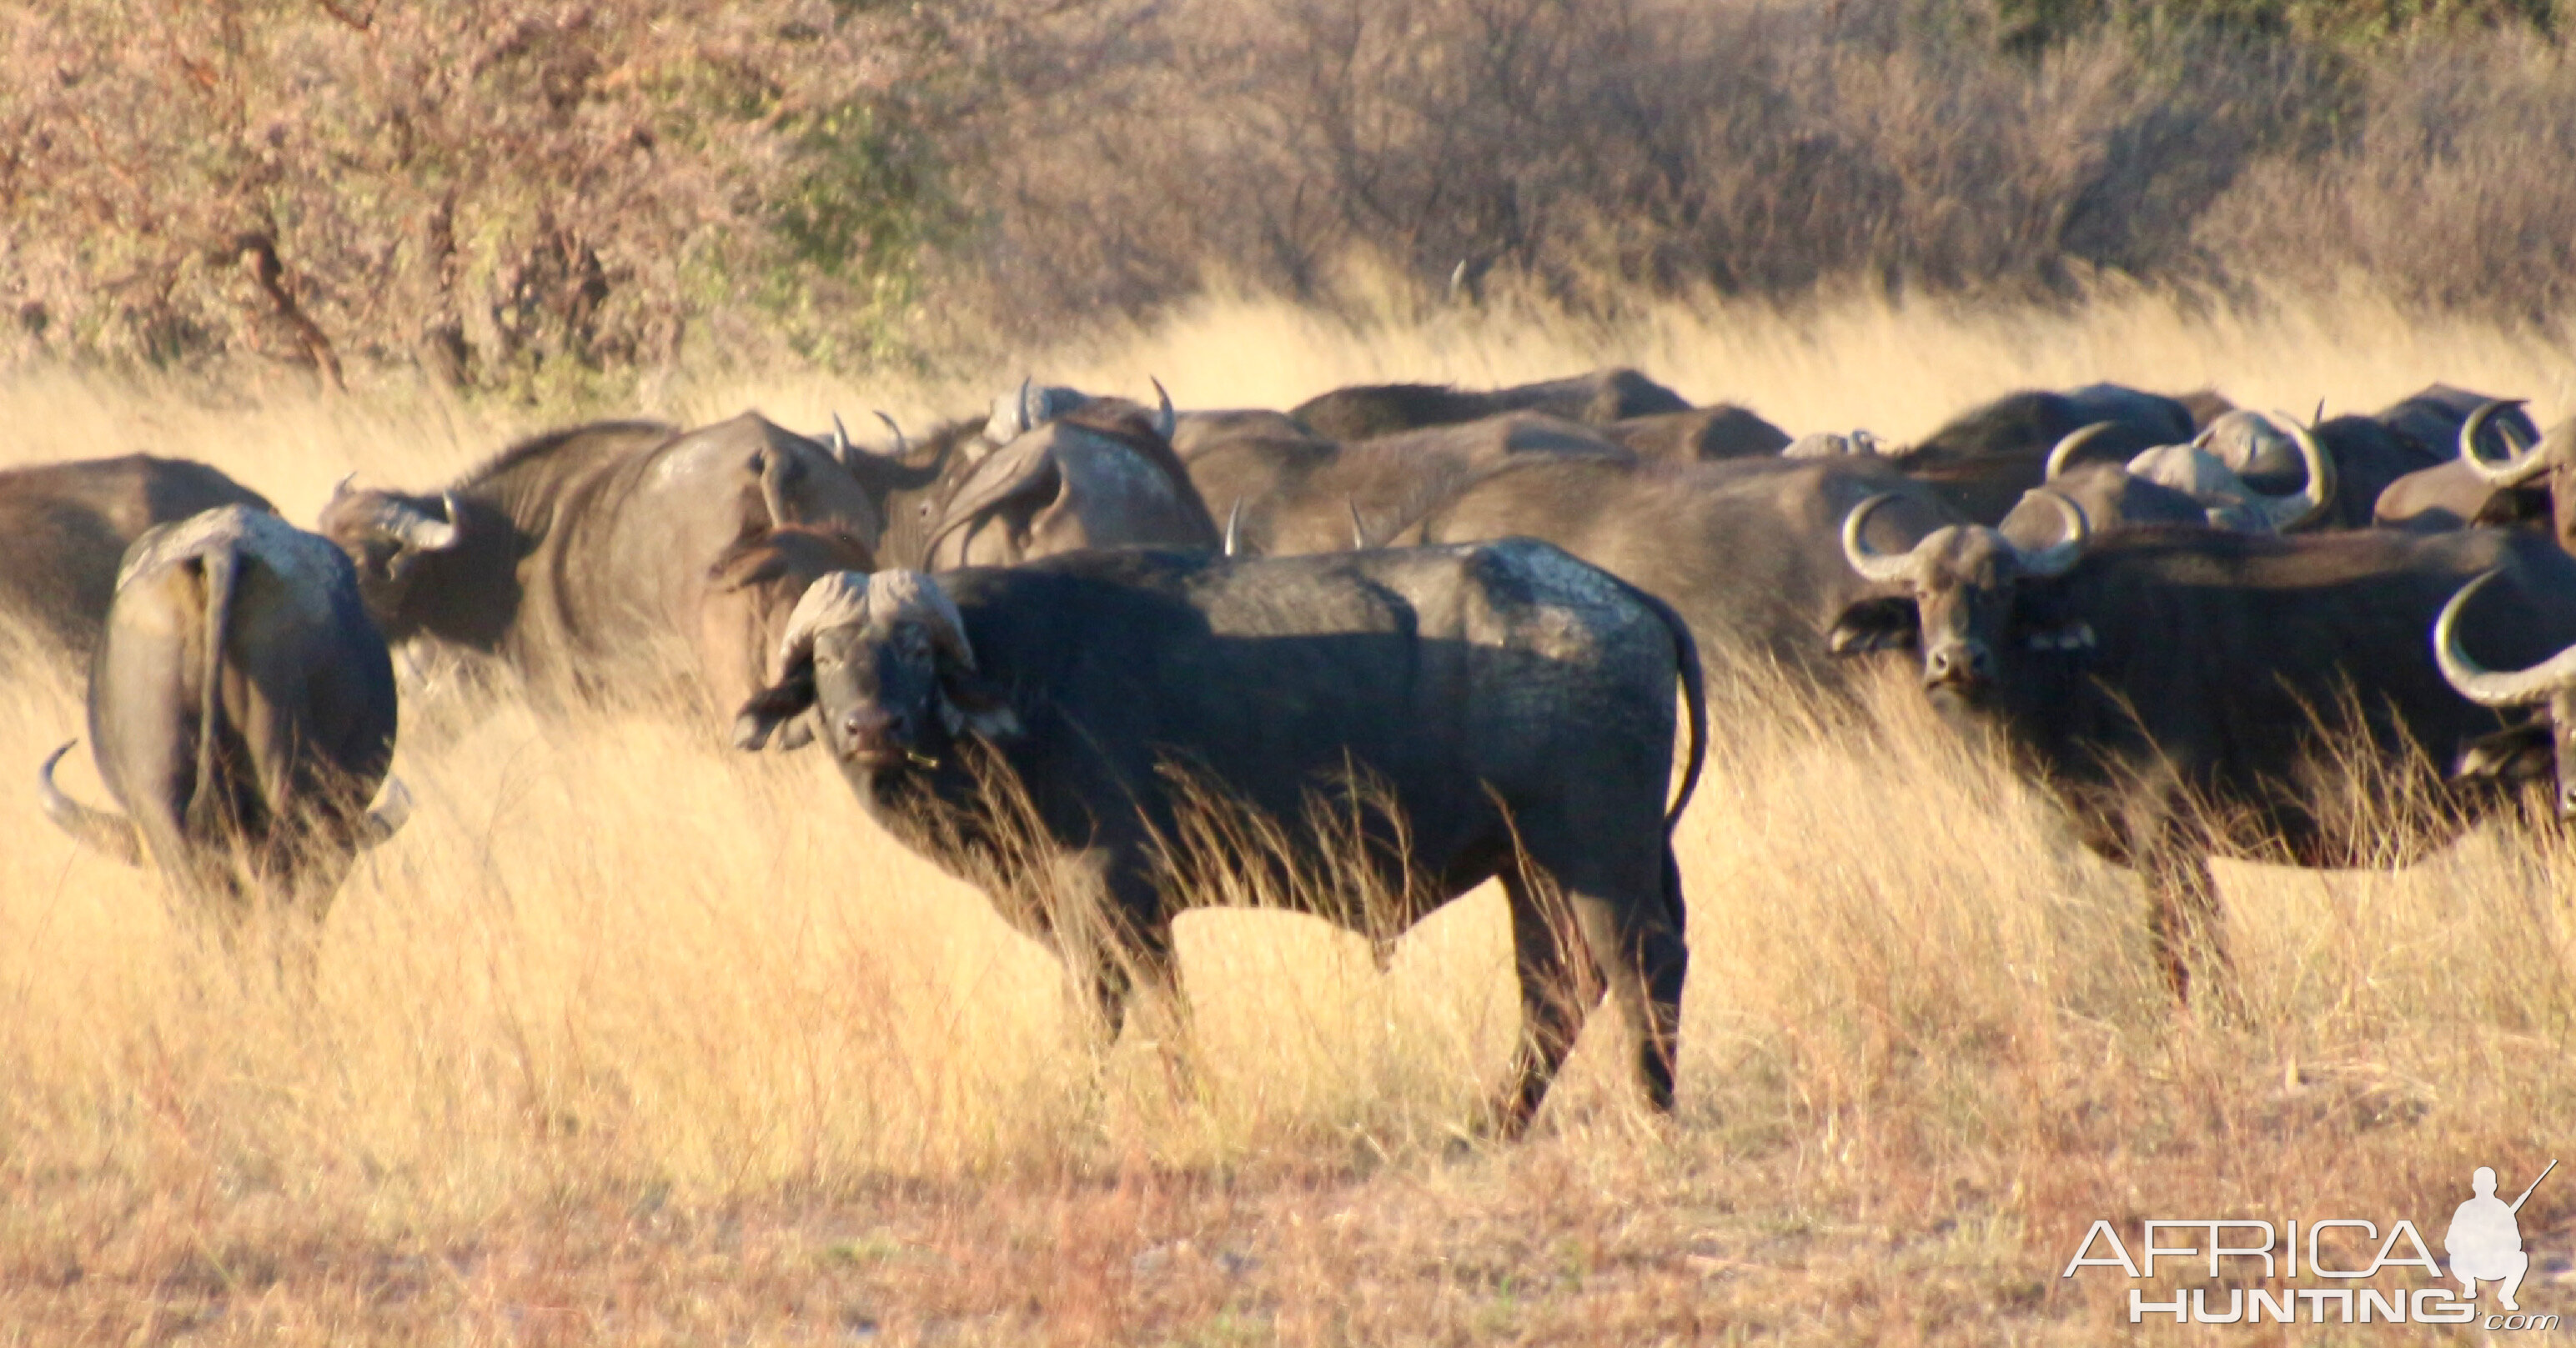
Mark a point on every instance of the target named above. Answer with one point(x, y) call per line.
point(534, 197)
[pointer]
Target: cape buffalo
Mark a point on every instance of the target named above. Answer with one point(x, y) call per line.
point(1510, 707)
point(575, 558)
point(1289, 494)
point(1101, 474)
point(65, 526)
point(241, 710)
point(2375, 452)
point(2173, 484)
point(2529, 484)
point(2189, 692)
point(1982, 460)
point(1366, 411)
point(1724, 431)
point(1745, 550)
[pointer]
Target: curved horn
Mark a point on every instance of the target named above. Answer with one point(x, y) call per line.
point(1234, 529)
point(2287, 512)
point(834, 598)
point(387, 819)
point(902, 446)
point(913, 594)
point(2517, 468)
point(98, 830)
point(341, 487)
point(2053, 560)
point(2072, 445)
point(1884, 568)
point(420, 532)
point(2494, 688)
point(1359, 531)
point(1165, 419)
point(840, 439)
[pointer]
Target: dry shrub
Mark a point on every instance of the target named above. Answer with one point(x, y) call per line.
point(506, 195)
point(1590, 154)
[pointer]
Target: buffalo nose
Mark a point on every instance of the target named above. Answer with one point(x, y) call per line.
point(866, 725)
point(1958, 662)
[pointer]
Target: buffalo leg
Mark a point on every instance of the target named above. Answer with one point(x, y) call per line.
point(1554, 999)
point(1636, 943)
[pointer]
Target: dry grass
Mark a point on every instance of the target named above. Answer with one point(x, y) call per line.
point(629, 1039)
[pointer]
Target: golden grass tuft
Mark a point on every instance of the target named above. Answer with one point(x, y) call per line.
point(632, 1038)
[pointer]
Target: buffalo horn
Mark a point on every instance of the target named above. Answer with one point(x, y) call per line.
point(2288, 512)
point(390, 814)
point(1884, 568)
point(832, 599)
point(2054, 559)
point(97, 830)
point(2074, 443)
point(2518, 467)
point(417, 530)
point(1165, 419)
point(1234, 528)
point(2495, 688)
point(901, 594)
point(902, 447)
point(1359, 531)
point(840, 439)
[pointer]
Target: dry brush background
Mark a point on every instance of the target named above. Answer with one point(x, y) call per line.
point(631, 1039)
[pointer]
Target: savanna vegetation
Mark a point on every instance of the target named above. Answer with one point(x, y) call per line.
point(630, 1038)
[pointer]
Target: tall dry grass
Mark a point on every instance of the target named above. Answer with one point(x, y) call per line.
point(628, 1037)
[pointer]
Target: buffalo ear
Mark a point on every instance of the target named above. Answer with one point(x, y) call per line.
point(774, 706)
point(970, 706)
point(2520, 753)
point(1886, 623)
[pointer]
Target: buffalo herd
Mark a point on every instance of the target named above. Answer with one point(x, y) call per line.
point(1437, 632)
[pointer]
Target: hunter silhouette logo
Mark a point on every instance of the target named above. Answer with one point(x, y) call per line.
point(2327, 1270)
point(2485, 1239)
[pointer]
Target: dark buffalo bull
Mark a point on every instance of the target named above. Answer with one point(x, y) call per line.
point(567, 558)
point(1598, 399)
point(1982, 460)
point(241, 711)
point(1292, 494)
point(2190, 692)
point(1746, 550)
point(1510, 707)
point(65, 526)
point(1702, 434)
point(1099, 474)
point(2373, 453)
point(2525, 485)
point(741, 611)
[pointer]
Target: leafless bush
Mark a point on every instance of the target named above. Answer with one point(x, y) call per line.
point(2453, 191)
point(1596, 151)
